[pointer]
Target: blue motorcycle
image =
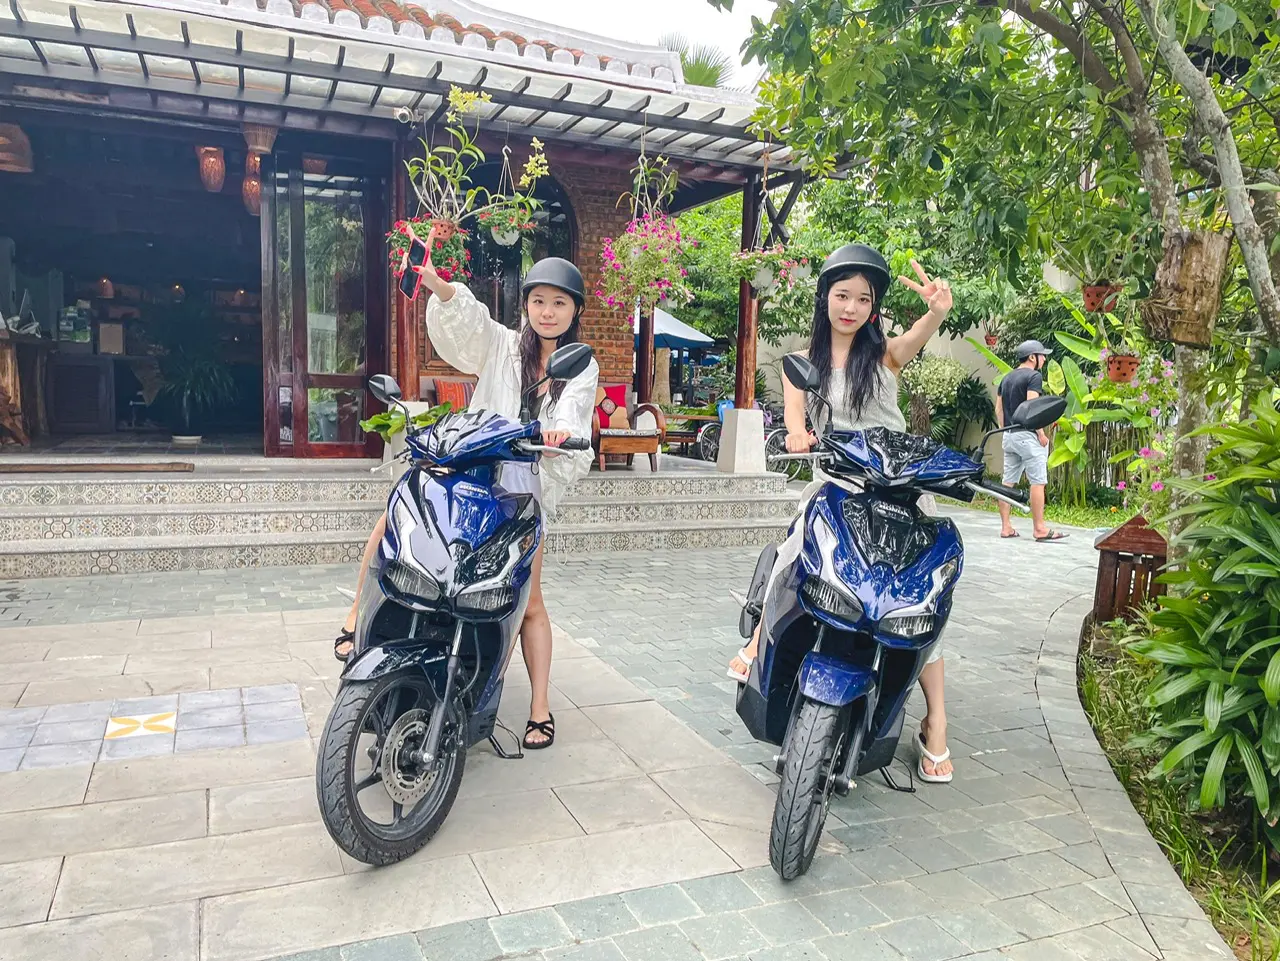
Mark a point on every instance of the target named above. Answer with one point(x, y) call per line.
point(435, 635)
point(850, 624)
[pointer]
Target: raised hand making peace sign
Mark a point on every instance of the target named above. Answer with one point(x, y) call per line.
point(935, 293)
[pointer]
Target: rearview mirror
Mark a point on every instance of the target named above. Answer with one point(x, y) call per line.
point(1039, 413)
point(801, 372)
point(569, 361)
point(385, 389)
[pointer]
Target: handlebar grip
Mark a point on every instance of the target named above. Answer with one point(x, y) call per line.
point(1013, 493)
point(576, 443)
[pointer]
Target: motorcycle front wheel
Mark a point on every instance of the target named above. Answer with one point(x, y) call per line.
point(813, 757)
point(379, 799)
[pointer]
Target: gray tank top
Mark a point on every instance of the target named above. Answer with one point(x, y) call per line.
point(880, 410)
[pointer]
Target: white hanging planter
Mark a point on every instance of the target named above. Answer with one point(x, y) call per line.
point(763, 280)
point(505, 238)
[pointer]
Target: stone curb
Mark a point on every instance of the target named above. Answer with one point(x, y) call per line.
point(1172, 917)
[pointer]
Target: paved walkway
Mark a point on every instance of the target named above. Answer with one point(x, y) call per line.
point(637, 838)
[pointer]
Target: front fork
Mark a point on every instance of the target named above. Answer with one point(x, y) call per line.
point(431, 744)
point(843, 782)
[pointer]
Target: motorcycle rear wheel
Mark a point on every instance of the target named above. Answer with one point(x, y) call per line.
point(709, 442)
point(813, 757)
point(382, 721)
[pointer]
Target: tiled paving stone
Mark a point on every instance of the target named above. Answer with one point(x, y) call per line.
point(1018, 859)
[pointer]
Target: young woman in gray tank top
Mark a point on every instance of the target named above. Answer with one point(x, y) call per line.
point(860, 365)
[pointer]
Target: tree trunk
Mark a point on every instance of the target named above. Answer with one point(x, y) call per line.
point(1205, 105)
point(921, 419)
point(1193, 413)
point(662, 376)
point(1188, 290)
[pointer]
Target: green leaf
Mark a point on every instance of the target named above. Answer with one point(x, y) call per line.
point(1257, 776)
point(1181, 752)
point(1213, 706)
point(1224, 18)
point(1260, 646)
point(1211, 785)
point(1165, 652)
point(1270, 682)
point(993, 359)
point(1078, 345)
point(1178, 687)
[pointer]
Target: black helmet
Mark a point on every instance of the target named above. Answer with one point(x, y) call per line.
point(555, 272)
point(859, 258)
point(1029, 348)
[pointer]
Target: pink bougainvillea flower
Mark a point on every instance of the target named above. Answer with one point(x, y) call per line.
point(1145, 452)
point(1211, 477)
point(1122, 486)
point(1157, 486)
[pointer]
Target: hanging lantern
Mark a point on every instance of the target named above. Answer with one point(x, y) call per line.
point(213, 168)
point(259, 137)
point(15, 150)
point(178, 294)
point(251, 186)
point(106, 289)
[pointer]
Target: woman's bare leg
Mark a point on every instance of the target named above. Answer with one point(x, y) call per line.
point(932, 682)
point(535, 645)
point(371, 545)
point(738, 665)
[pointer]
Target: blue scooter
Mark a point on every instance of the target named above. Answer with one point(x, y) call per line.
point(437, 624)
point(850, 624)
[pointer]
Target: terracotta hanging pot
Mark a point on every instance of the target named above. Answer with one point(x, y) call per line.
point(1121, 368)
point(445, 229)
point(1101, 298)
point(991, 340)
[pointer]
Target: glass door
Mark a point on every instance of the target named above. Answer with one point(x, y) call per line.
point(330, 305)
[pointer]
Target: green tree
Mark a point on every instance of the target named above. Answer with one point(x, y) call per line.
point(704, 65)
point(1085, 132)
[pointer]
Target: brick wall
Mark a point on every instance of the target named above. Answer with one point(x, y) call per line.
point(593, 193)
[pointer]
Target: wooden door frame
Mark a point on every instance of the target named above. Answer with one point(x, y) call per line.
point(377, 311)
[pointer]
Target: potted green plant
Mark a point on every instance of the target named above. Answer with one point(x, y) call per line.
point(441, 177)
point(1122, 363)
point(194, 384)
point(647, 262)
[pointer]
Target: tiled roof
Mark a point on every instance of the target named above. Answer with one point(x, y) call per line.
point(413, 21)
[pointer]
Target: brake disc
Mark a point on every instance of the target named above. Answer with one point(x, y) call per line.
point(407, 782)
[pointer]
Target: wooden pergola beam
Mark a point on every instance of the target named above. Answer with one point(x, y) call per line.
point(744, 394)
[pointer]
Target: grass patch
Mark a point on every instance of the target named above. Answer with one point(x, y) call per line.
point(1222, 864)
point(1087, 517)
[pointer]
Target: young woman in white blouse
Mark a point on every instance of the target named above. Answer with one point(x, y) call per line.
point(507, 363)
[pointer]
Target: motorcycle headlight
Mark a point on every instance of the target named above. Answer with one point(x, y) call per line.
point(404, 521)
point(948, 571)
point(411, 585)
point(486, 602)
point(906, 625)
point(828, 599)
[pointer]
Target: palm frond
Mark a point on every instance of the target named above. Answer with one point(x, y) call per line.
point(704, 65)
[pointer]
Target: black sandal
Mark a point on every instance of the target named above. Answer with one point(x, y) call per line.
point(546, 728)
point(346, 637)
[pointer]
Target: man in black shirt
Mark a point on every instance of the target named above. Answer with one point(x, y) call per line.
point(1025, 451)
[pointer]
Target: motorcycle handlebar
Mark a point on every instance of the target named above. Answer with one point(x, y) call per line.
point(1010, 495)
point(576, 443)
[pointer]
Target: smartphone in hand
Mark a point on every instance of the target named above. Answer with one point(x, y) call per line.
point(410, 279)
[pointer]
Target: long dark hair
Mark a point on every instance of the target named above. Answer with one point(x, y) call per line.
point(863, 367)
point(531, 352)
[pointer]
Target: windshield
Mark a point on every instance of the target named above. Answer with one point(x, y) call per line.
point(895, 459)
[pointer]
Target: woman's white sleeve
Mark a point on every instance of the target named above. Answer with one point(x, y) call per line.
point(572, 414)
point(461, 330)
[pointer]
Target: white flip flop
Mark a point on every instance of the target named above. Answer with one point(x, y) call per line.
point(935, 760)
point(741, 678)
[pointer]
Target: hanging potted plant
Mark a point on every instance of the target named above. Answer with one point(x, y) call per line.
point(449, 255)
point(991, 329)
point(509, 223)
point(1122, 364)
point(646, 263)
point(772, 272)
point(1101, 297)
point(441, 177)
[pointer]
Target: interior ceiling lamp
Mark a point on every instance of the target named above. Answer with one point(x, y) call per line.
point(213, 168)
point(15, 150)
point(251, 186)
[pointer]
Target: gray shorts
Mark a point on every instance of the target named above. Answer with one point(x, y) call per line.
point(1024, 453)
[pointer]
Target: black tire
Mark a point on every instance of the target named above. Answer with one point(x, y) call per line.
point(812, 751)
point(351, 828)
point(709, 442)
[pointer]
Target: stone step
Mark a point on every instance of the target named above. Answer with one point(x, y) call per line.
point(197, 520)
point(247, 488)
point(61, 557)
point(148, 521)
